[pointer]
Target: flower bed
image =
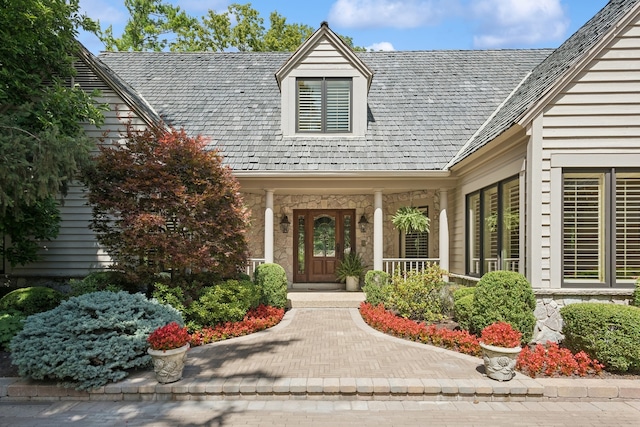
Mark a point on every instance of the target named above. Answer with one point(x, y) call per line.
point(256, 319)
point(542, 360)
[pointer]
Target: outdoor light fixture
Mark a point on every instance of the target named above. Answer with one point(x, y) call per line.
point(363, 223)
point(284, 224)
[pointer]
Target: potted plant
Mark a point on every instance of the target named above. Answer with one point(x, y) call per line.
point(409, 219)
point(500, 344)
point(350, 270)
point(168, 347)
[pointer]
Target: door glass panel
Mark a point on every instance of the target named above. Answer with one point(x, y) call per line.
point(301, 244)
point(324, 236)
point(347, 234)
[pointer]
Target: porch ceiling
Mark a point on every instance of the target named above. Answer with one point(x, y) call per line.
point(345, 183)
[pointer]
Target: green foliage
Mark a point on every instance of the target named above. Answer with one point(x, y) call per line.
point(161, 202)
point(271, 280)
point(155, 25)
point(409, 219)
point(113, 281)
point(227, 302)
point(11, 322)
point(89, 340)
point(351, 265)
point(376, 287)
point(171, 295)
point(462, 309)
point(31, 300)
point(463, 292)
point(42, 141)
point(609, 333)
point(417, 294)
point(504, 296)
point(635, 297)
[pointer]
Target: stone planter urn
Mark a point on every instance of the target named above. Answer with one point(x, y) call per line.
point(169, 364)
point(352, 283)
point(500, 362)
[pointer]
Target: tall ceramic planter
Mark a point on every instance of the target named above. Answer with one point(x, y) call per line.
point(169, 364)
point(352, 283)
point(500, 362)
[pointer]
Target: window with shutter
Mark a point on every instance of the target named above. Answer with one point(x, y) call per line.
point(323, 105)
point(416, 244)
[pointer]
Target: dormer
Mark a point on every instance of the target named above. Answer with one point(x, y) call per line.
point(324, 88)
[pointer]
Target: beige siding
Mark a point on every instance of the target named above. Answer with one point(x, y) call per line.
point(75, 252)
point(594, 121)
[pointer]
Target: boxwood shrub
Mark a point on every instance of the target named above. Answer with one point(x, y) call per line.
point(271, 279)
point(607, 332)
point(89, 340)
point(226, 302)
point(504, 296)
point(376, 286)
point(32, 300)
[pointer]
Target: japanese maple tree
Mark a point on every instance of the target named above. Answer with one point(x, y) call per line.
point(162, 201)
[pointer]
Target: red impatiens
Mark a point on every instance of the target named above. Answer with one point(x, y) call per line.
point(169, 337)
point(501, 334)
point(551, 360)
point(256, 319)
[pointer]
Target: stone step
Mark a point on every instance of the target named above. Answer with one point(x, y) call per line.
point(324, 299)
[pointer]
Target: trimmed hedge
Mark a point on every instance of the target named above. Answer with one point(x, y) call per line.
point(89, 340)
point(607, 332)
point(504, 296)
point(31, 300)
point(271, 279)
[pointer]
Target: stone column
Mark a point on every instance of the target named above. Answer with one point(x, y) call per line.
point(268, 227)
point(444, 233)
point(378, 240)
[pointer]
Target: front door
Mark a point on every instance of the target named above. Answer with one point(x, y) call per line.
point(322, 237)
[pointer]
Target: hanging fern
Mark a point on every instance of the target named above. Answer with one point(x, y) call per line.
point(409, 219)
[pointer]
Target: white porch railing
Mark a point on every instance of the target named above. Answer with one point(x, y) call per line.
point(393, 265)
point(252, 264)
point(510, 264)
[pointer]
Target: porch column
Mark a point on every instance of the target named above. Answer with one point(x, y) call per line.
point(444, 233)
point(268, 227)
point(378, 240)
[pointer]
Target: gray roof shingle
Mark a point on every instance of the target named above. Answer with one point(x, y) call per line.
point(423, 105)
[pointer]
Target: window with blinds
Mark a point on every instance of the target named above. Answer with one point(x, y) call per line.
point(416, 245)
point(323, 105)
point(601, 227)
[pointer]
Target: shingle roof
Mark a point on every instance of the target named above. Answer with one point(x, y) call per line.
point(423, 105)
point(547, 73)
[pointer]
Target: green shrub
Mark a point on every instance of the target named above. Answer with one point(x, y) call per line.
point(463, 292)
point(11, 322)
point(635, 297)
point(376, 287)
point(89, 340)
point(607, 332)
point(462, 309)
point(271, 279)
point(170, 295)
point(418, 295)
point(504, 296)
point(31, 300)
point(227, 302)
point(113, 281)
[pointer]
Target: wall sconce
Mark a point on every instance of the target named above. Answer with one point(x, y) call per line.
point(284, 224)
point(363, 223)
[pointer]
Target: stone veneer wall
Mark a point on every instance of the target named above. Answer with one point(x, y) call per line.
point(284, 204)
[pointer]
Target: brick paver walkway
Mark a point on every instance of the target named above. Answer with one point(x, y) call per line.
point(327, 343)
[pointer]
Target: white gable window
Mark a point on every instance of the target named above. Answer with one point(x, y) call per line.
point(323, 105)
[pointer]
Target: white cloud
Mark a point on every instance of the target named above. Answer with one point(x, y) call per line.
point(386, 46)
point(504, 23)
point(386, 13)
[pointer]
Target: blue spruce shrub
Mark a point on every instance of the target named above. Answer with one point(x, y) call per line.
point(89, 340)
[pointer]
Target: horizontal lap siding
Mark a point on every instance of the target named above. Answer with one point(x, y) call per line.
point(597, 112)
point(76, 252)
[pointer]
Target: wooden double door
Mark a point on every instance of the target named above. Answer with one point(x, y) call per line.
point(321, 239)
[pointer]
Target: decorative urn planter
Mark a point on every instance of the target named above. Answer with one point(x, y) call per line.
point(169, 364)
point(352, 283)
point(500, 362)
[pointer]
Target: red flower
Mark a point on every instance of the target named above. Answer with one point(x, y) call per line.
point(501, 334)
point(169, 337)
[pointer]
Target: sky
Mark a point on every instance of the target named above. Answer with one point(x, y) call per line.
point(399, 24)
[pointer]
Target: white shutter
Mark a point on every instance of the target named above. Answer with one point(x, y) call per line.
point(627, 227)
point(310, 105)
point(338, 115)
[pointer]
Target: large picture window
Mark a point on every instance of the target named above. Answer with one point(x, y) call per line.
point(323, 105)
point(493, 228)
point(601, 227)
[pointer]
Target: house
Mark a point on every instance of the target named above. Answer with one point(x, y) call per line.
point(525, 160)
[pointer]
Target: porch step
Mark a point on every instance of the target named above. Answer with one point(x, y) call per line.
point(324, 299)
